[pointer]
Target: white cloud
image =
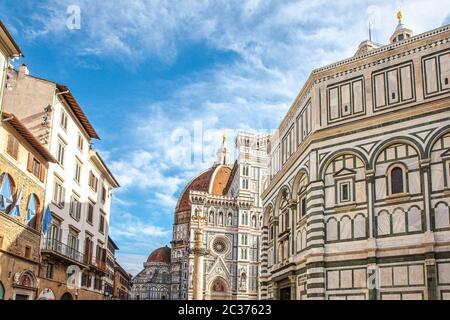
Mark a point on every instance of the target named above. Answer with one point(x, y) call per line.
point(132, 263)
point(131, 227)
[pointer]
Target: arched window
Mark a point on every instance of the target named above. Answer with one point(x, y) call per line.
point(243, 283)
point(271, 232)
point(6, 192)
point(230, 219)
point(441, 216)
point(211, 217)
point(383, 223)
point(254, 221)
point(345, 228)
point(280, 253)
point(285, 250)
point(332, 230)
point(299, 241)
point(304, 239)
point(359, 227)
point(220, 220)
point(397, 185)
point(32, 211)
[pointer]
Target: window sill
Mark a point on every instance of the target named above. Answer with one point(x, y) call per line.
point(58, 205)
point(74, 218)
point(282, 236)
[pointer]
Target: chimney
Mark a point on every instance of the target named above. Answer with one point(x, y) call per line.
point(23, 71)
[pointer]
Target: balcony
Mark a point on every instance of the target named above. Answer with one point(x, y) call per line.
point(63, 251)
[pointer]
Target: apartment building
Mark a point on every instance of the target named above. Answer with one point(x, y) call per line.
point(23, 166)
point(79, 186)
point(122, 283)
point(110, 266)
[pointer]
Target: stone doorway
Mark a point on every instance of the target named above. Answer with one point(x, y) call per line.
point(285, 293)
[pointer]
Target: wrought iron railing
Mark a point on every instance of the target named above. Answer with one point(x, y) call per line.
point(63, 249)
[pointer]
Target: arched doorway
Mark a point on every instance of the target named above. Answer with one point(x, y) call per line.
point(219, 290)
point(2, 291)
point(66, 296)
point(25, 285)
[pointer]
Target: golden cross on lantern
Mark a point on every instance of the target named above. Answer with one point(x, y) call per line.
point(399, 16)
point(224, 137)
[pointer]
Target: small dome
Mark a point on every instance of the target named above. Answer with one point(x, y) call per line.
point(160, 255)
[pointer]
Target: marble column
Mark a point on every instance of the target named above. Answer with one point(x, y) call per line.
point(199, 252)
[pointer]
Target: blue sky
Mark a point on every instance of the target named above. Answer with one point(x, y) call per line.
point(162, 80)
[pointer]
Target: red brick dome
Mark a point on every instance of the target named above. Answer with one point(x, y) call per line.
point(160, 255)
point(213, 180)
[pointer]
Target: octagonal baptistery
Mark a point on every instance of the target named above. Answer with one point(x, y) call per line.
point(152, 283)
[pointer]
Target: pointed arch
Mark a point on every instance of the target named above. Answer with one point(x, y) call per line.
point(7, 192)
point(32, 211)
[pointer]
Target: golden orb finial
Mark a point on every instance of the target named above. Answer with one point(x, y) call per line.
point(224, 137)
point(399, 16)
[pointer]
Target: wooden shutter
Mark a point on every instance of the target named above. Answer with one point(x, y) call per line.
point(30, 162)
point(16, 148)
point(10, 145)
point(42, 172)
point(104, 255)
